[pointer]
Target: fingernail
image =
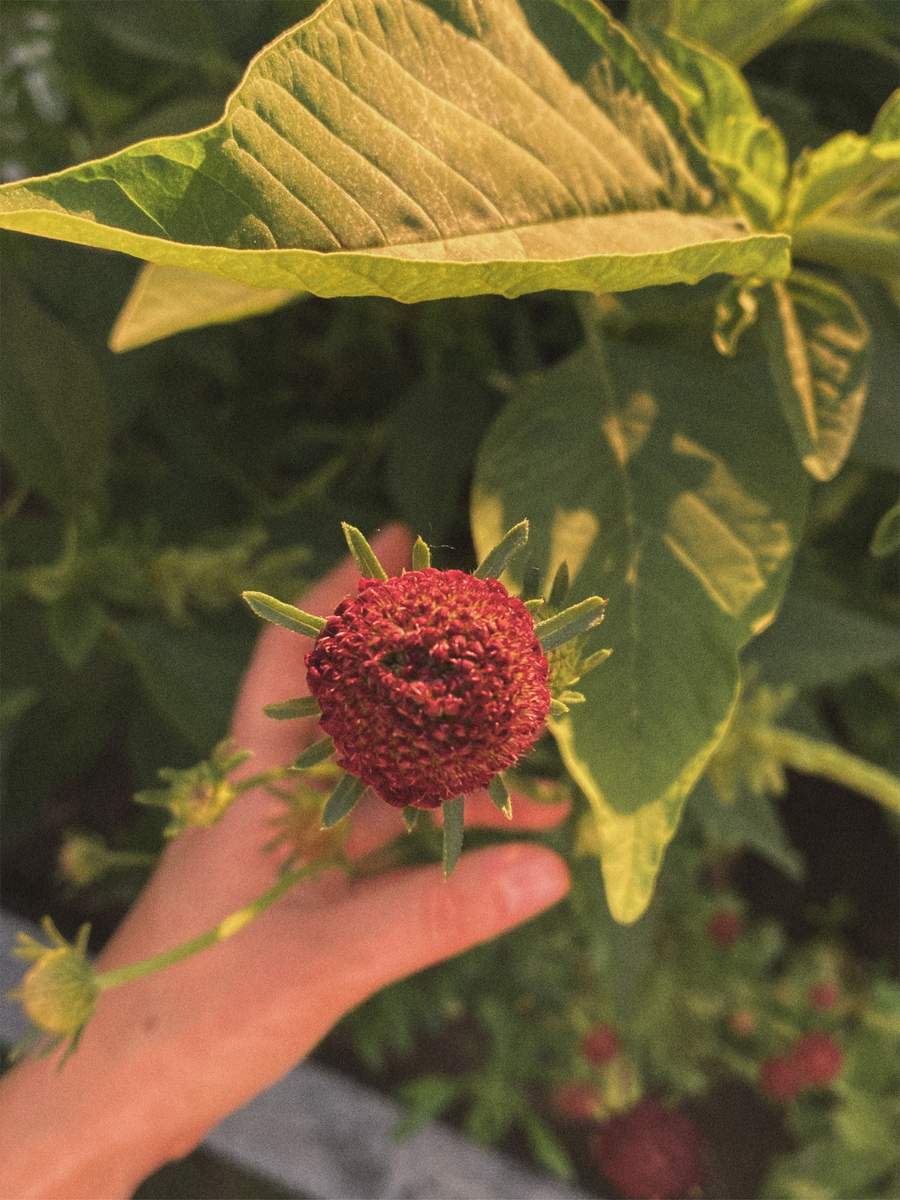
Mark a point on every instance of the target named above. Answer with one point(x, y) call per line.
point(531, 879)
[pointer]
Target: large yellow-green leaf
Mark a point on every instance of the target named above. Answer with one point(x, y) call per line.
point(669, 484)
point(417, 149)
point(739, 29)
point(167, 300)
point(818, 343)
point(843, 204)
point(744, 144)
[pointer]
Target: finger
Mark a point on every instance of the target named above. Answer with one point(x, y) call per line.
point(277, 669)
point(390, 926)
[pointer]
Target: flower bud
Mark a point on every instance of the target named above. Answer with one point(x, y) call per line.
point(818, 1058)
point(58, 993)
point(724, 928)
point(823, 996)
point(578, 1101)
point(600, 1045)
point(83, 859)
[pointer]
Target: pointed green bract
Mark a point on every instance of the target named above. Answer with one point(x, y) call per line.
point(571, 622)
point(288, 710)
point(453, 833)
point(417, 149)
point(499, 794)
point(342, 800)
point(558, 708)
point(363, 554)
point(285, 615)
point(314, 754)
point(421, 555)
point(410, 818)
point(559, 589)
point(497, 560)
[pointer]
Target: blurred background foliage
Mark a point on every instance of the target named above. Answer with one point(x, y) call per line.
point(142, 491)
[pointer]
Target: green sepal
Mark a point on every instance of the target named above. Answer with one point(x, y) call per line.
point(592, 662)
point(285, 615)
point(569, 697)
point(558, 708)
point(496, 562)
point(531, 584)
point(287, 710)
point(421, 555)
point(363, 554)
point(410, 818)
point(571, 622)
point(559, 589)
point(499, 793)
point(453, 833)
point(535, 606)
point(342, 800)
point(314, 754)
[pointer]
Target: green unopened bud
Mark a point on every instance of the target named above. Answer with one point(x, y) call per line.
point(200, 795)
point(83, 858)
point(59, 991)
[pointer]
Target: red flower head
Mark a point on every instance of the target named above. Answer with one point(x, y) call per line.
point(818, 1058)
point(600, 1045)
point(824, 996)
point(651, 1153)
point(429, 684)
point(724, 928)
point(780, 1078)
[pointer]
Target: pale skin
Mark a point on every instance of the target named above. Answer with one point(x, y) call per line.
point(166, 1057)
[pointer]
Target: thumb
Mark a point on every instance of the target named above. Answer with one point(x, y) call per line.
point(393, 925)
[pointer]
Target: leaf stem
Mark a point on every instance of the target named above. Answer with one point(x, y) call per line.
point(812, 757)
point(225, 929)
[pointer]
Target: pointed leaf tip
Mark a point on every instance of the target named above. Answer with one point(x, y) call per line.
point(560, 586)
point(421, 555)
point(342, 800)
point(314, 754)
point(499, 793)
point(496, 562)
point(363, 554)
point(453, 833)
point(571, 622)
point(276, 612)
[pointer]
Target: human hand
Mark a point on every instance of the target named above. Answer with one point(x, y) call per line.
point(166, 1057)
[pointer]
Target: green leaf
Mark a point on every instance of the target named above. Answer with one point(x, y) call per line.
point(426, 1098)
point(843, 205)
point(658, 495)
point(886, 538)
point(421, 555)
point(342, 800)
point(817, 641)
point(750, 823)
point(363, 555)
point(56, 421)
point(453, 833)
point(818, 345)
point(746, 146)
point(826, 1170)
point(572, 622)
point(285, 615)
point(546, 1147)
point(75, 624)
point(417, 149)
point(287, 710)
point(314, 754)
point(167, 300)
point(496, 561)
point(739, 31)
point(499, 794)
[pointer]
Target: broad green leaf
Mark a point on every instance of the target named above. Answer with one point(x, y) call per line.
point(843, 205)
point(827, 1170)
point(417, 149)
point(167, 300)
point(816, 641)
point(75, 624)
point(878, 440)
point(673, 490)
point(738, 29)
point(56, 422)
point(818, 346)
point(857, 23)
point(746, 146)
point(750, 823)
point(886, 538)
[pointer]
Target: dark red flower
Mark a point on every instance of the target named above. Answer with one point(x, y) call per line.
point(781, 1078)
point(823, 996)
point(818, 1059)
point(651, 1153)
point(579, 1101)
point(724, 927)
point(600, 1045)
point(742, 1022)
point(429, 683)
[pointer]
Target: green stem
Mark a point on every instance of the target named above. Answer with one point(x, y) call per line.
point(130, 858)
point(225, 929)
point(831, 762)
point(847, 244)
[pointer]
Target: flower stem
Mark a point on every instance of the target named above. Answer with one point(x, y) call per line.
point(831, 762)
point(225, 929)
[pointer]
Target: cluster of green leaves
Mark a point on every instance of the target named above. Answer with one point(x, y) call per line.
point(662, 444)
